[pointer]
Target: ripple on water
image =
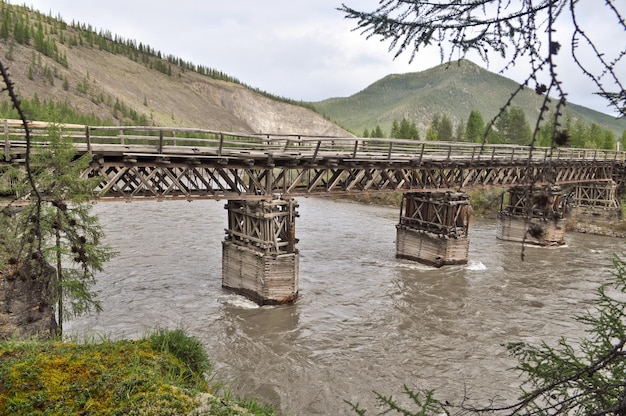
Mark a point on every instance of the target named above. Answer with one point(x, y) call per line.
point(364, 320)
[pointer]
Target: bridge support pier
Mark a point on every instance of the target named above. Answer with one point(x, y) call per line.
point(433, 228)
point(533, 216)
point(596, 209)
point(259, 257)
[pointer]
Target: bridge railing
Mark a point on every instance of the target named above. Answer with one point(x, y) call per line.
point(163, 140)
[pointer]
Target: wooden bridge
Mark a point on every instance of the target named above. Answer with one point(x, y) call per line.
point(261, 174)
point(178, 163)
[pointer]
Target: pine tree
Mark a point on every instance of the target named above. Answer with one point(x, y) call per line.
point(609, 140)
point(431, 133)
point(518, 130)
point(459, 134)
point(404, 132)
point(595, 137)
point(378, 132)
point(68, 235)
point(578, 133)
point(5, 25)
point(414, 133)
point(475, 129)
point(445, 130)
point(395, 129)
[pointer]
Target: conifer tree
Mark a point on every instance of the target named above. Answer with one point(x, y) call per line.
point(395, 129)
point(377, 132)
point(408, 131)
point(56, 227)
point(609, 140)
point(475, 129)
point(459, 134)
point(431, 133)
point(445, 130)
point(70, 236)
point(519, 131)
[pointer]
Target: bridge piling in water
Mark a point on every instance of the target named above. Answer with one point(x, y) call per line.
point(433, 228)
point(596, 208)
point(259, 255)
point(533, 215)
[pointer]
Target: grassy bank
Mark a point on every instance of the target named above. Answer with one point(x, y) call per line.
point(484, 202)
point(165, 373)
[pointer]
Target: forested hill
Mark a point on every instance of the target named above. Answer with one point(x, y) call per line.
point(69, 72)
point(450, 89)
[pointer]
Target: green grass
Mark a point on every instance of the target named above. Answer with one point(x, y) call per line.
point(163, 374)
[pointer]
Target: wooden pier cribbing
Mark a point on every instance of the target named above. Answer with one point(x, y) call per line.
point(601, 195)
point(259, 257)
point(534, 216)
point(596, 209)
point(433, 228)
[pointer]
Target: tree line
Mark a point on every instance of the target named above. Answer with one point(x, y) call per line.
point(511, 127)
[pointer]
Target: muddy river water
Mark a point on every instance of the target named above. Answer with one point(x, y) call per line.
point(364, 320)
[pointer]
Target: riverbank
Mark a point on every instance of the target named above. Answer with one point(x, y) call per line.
point(164, 373)
point(484, 203)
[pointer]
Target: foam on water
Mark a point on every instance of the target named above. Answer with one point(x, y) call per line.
point(238, 301)
point(475, 265)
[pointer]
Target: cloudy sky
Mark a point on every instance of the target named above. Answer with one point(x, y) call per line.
point(300, 49)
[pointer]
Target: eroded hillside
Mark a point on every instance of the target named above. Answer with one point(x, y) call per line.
point(101, 75)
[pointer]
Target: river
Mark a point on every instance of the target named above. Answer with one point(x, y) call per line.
point(364, 320)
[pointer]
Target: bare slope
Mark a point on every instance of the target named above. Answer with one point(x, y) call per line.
point(107, 84)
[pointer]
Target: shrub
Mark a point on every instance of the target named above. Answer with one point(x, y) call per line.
point(186, 348)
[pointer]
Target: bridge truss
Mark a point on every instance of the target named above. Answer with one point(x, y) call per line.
point(176, 163)
point(211, 180)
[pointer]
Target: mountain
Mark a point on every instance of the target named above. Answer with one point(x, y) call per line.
point(125, 82)
point(454, 89)
point(107, 79)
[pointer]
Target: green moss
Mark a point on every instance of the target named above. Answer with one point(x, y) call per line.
point(108, 378)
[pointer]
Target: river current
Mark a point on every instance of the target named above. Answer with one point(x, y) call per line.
point(364, 321)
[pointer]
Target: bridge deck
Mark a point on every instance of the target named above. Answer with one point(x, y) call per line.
point(153, 162)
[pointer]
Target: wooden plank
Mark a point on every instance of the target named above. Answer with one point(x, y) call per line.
point(268, 279)
point(429, 248)
point(515, 228)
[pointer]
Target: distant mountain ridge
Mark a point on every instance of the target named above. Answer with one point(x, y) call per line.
point(454, 89)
